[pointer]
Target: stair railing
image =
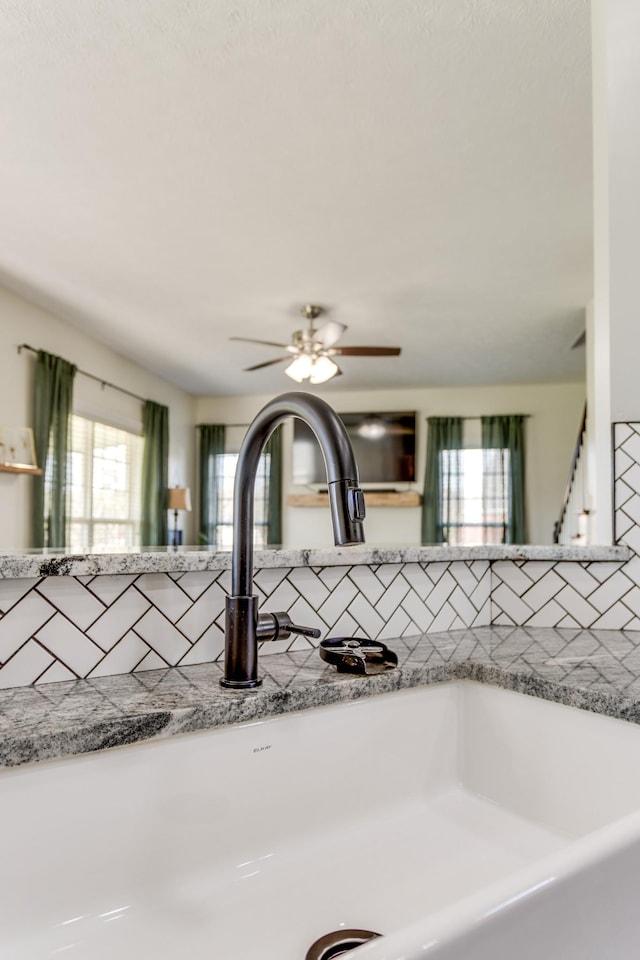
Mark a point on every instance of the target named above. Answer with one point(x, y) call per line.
point(559, 524)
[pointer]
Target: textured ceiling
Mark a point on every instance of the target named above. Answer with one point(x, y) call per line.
point(175, 173)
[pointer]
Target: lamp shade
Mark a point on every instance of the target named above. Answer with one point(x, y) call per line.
point(179, 498)
point(316, 369)
point(323, 369)
point(300, 368)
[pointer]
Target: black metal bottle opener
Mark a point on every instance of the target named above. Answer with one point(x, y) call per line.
point(357, 655)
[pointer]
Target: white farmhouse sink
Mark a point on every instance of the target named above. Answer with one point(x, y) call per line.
point(458, 821)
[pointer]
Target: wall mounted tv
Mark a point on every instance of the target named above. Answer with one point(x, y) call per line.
point(384, 445)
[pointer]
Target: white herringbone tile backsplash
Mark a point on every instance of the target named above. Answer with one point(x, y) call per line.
point(63, 628)
point(602, 595)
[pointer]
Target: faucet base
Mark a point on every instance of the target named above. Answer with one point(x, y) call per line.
point(241, 643)
point(240, 684)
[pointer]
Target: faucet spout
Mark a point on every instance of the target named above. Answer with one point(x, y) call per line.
point(346, 501)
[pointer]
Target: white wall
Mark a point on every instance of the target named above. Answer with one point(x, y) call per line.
point(598, 452)
point(551, 432)
point(22, 322)
point(616, 82)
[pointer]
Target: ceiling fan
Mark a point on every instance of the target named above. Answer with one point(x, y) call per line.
point(312, 350)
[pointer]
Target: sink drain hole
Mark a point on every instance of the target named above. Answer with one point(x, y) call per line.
point(338, 943)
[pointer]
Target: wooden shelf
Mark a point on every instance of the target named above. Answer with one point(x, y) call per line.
point(18, 468)
point(379, 499)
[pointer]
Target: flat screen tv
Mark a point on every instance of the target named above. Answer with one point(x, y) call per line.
point(384, 445)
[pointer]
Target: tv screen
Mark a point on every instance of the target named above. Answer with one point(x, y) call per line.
point(384, 445)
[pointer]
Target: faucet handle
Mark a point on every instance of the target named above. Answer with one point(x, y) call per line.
point(279, 626)
point(304, 631)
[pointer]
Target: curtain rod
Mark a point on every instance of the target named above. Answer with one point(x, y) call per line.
point(91, 376)
point(525, 416)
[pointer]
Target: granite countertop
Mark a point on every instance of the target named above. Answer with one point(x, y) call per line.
point(182, 559)
point(597, 670)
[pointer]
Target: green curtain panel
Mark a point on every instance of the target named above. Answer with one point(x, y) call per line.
point(504, 437)
point(211, 448)
point(440, 501)
point(273, 448)
point(53, 401)
point(155, 475)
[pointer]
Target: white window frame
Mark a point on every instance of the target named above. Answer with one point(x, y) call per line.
point(482, 524)
point(87, 521)
point(225, 480)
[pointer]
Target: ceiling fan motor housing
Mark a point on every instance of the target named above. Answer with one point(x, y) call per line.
point(311, 311)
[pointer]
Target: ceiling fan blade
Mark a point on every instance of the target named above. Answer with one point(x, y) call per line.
point(364, 351)
point(268, 363)
point(265, 343)
point(329, 333)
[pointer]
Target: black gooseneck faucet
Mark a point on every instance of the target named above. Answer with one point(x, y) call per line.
point(243, 626)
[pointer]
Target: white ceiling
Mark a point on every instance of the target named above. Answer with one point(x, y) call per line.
point(174, 173)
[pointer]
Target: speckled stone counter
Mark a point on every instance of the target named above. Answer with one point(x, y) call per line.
point(597, 670)
point(185, 559)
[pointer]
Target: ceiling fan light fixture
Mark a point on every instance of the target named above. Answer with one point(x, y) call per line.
point(315, 369)
point(322, 369)
point(300, 368)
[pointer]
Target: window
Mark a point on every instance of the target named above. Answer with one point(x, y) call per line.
point(476, 507)
point(105, 470)
point(474, 480)
point(225, 476)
